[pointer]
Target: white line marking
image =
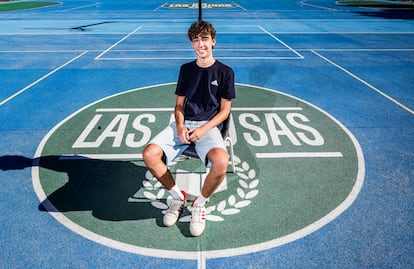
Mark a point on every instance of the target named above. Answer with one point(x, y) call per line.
point(160, 6)
point(64, 32)
point(191, 50)
point(241, 7)
point(278, 155)
point(40, 51)
point(42, 78)
point(283, 43)
point(266, 108)
point(101, 156)
point(355, 49)
point(192, 58)
point(166, 109)
point(300, 155)
point(80, 7)
point(201, 260)
point(117, 43)
point(321, 7)
point(366, 83)
point(99, 110)
point(222, 49)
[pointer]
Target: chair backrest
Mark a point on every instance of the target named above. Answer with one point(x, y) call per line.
point(226, 127)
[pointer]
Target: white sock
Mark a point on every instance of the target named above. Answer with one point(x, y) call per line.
point(176, 193)
point(200, 201)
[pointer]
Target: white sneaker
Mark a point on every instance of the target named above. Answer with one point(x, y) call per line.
point(176, 207)
point(198, 220)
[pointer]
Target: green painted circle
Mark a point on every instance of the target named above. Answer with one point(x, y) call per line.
point(297, 169)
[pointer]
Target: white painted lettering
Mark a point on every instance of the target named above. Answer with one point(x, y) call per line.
point(115, 130)
point(316, 140)
point(271, 118)
point(81, 141)
point(262, 137)
point(146, 132)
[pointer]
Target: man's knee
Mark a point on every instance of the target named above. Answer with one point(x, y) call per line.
point(219, 160)
point(152, 152)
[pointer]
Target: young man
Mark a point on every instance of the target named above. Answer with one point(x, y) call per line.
point(205, 89)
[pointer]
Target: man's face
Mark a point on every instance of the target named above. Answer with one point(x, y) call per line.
point(203, 45)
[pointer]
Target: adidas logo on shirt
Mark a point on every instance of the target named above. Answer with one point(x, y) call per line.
point(214, 83)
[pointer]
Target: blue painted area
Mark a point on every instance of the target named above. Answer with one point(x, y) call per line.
point(375, 232)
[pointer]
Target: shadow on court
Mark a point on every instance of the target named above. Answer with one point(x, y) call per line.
point(390, 14)
point(102, 187)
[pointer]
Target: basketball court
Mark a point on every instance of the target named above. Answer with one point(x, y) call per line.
point(322, 129)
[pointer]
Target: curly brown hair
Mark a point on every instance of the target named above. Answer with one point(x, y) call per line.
point(201, 27)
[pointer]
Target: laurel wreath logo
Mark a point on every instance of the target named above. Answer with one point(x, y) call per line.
point(245, 192)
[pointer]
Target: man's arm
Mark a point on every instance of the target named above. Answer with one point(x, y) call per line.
point(179, 120)
point(222, 115)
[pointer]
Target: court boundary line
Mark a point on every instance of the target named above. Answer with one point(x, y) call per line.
point(280, 41)
point(118, 42)
point(73, 32)
point(192, 58)
point(303, 2)
point(288, 48)
point(302, 49)
point(240, 6)
point(263, 155)
point(41, 51)
point(42, 78)
point(163, 109)
point(364, 82)
point(76, 8)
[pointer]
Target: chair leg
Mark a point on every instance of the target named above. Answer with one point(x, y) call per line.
point(233, 167)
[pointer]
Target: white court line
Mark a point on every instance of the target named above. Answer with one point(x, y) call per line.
point(132, 109)
point(365, 50)
point(156, 9)
point(80, 7)
point(192, 58)
point(138, 156)
point(265, 108)
point(64, 157)
point(191, 50)
point(364, 82)
point(201, 258)
point(121, 40)
point(283, 43)
point(321, 7)
point(241, 7)
point(41, 51)
point(163, 109)
point(222, 49)
point(65, 32)
point(42, 78)
point(280, 155)
point(344, 33)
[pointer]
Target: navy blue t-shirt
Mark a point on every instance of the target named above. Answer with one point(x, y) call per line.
point(204, 88)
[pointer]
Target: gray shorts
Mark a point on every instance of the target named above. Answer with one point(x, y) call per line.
point(169, 142)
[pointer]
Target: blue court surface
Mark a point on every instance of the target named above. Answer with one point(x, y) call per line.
point(324, 123)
